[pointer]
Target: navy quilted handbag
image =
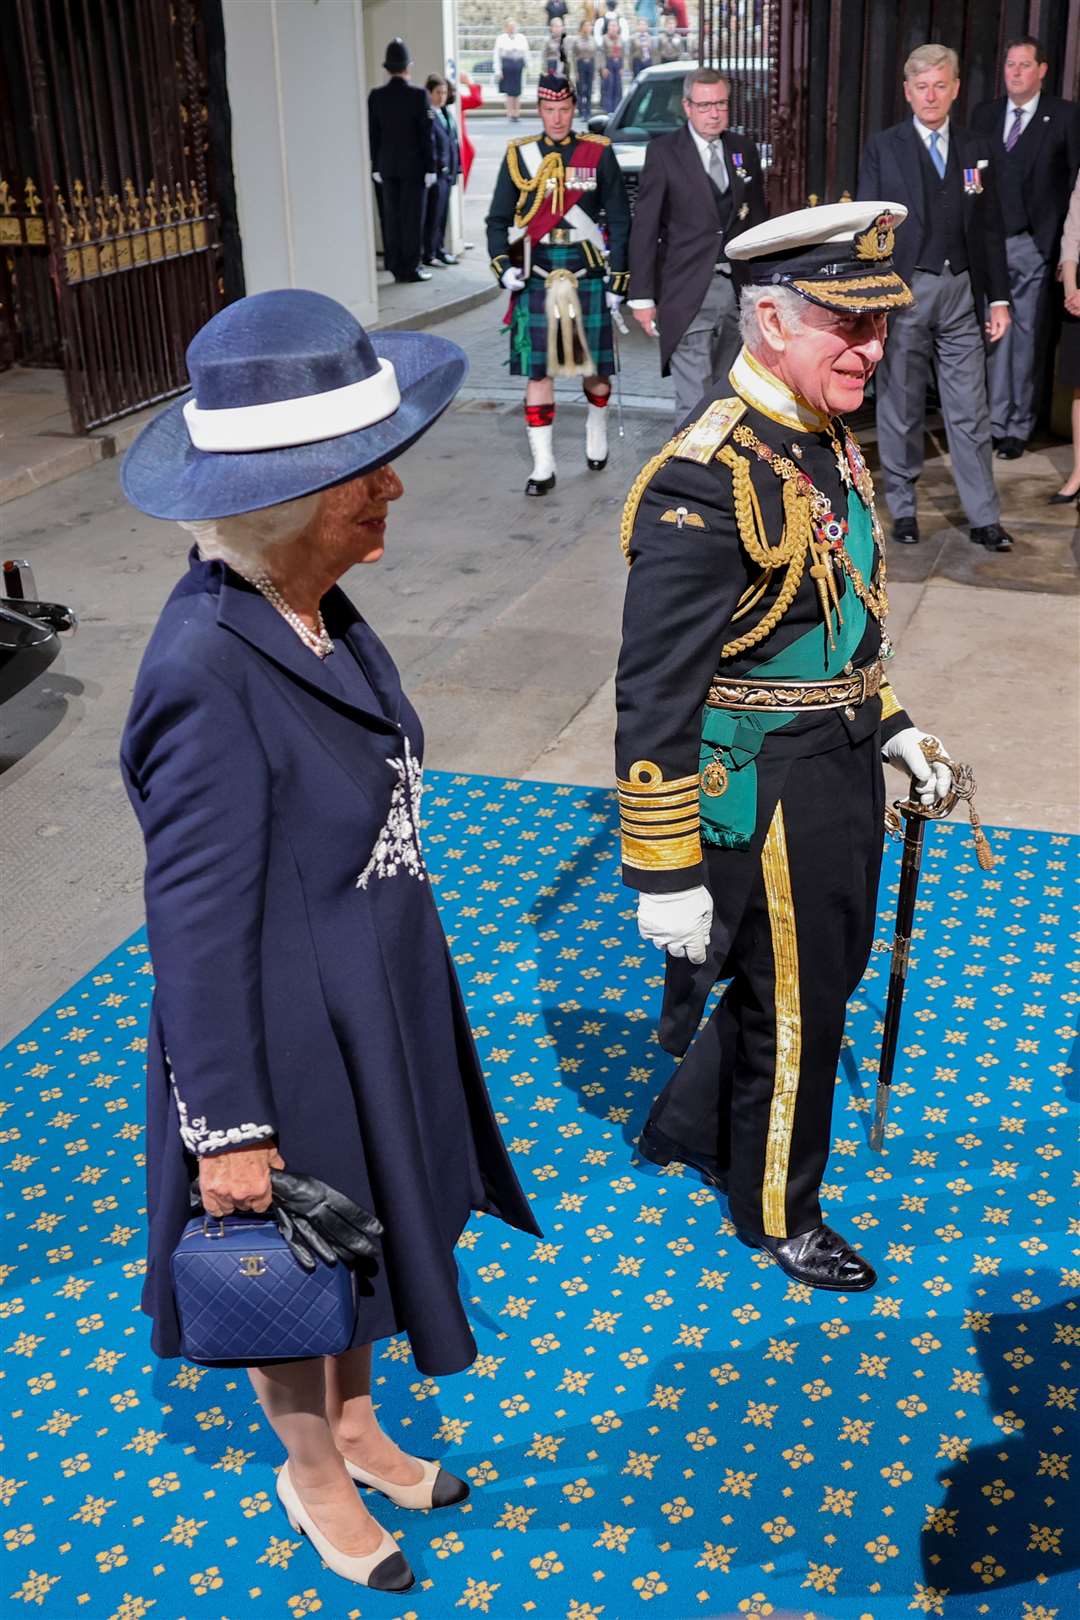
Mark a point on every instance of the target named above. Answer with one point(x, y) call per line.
point(243, 1298)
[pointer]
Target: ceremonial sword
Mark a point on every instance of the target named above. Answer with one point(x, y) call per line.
point(913, 816)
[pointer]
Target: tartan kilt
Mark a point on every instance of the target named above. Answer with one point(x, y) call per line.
point(528, 323)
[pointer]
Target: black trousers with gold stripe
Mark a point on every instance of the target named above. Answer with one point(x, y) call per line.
point(755, 1090)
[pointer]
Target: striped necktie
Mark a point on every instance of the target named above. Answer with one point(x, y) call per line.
point(1017, 129)
point(937, 157)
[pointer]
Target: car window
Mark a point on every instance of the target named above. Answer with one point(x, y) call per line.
point(654, 106)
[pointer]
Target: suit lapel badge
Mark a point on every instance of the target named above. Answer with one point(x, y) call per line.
point(744, 211)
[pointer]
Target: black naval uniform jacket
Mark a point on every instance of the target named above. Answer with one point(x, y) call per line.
point(608, 204)
point(684, 586)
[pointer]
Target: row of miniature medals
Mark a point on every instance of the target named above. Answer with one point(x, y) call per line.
point(829, 532)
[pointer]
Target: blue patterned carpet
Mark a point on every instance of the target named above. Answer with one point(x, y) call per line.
point(658, 1425)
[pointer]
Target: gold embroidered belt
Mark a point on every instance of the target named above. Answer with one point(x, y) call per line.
point(846, 692)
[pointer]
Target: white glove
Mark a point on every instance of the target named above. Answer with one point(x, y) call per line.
point(376, 176)
point(679, 923)
point(513, 280)
point(429, 180)
point(930, 782)
point(614, 299)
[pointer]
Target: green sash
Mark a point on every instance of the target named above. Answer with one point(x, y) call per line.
point(728, 819)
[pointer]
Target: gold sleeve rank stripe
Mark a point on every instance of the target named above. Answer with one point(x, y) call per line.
point(659, 820)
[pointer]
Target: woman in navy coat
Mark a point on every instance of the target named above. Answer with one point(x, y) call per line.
point(306, 1010)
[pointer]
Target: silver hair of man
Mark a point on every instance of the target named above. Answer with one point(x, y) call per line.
point(925, 57)
point(702, 76)
point(243, 541)
point(790, 305)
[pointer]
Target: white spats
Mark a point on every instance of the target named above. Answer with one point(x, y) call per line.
point(542, 445)
point(596, 445)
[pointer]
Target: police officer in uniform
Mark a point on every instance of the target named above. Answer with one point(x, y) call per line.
point(547, 249)
point(754, 710)
point(402, 162)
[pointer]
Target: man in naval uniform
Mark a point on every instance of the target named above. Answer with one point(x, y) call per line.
point(547, 249)
point(754, 710)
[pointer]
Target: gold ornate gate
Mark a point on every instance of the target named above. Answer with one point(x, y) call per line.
point(108, 228)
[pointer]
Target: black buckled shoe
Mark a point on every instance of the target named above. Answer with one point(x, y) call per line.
point(993, 537)
point(594, 464)
point(660, 1149)
point(540, 486)
point(820, 1259)
point(905, 531)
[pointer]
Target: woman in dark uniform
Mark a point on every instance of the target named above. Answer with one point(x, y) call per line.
point(306, 1011)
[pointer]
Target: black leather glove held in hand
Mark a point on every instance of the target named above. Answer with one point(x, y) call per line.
point(320, 1223)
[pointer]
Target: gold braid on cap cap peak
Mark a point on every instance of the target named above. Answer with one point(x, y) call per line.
point(885, 292)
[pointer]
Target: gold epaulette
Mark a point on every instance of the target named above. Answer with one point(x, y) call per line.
point(700, 441)
point(601, 140)
point(703, 438)
point(659, 822)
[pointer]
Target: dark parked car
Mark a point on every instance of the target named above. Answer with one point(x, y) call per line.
point(30, 630)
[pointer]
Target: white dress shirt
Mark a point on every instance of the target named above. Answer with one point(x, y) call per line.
point(924, 135)
point(1027, 112)
point(705, 151)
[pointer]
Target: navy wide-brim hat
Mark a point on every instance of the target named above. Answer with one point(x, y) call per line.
point(289, 396)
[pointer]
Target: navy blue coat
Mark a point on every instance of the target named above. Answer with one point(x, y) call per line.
point(304, 990)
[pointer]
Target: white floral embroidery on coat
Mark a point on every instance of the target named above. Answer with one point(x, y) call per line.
point(397, 848)
point(198, 1138)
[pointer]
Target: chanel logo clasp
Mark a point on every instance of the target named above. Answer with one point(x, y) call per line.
point(252, 1265)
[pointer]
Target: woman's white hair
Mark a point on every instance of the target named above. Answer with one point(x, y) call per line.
point(790, 305)
point(242, 541)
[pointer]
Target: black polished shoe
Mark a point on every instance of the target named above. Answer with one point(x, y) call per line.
point(820, 1259)
point(415, 275)
point(540, 486)
point(1011, 449)
point(446, 258)
point(906, 531)
point(993, 537)
point(660, 1149)
point(594, 465)
point(1062, 499)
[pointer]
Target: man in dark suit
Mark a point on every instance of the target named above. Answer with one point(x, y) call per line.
point(402, 162)
point(699, 186)
point(447, 169)
point(951, 252)
point(1037, 140)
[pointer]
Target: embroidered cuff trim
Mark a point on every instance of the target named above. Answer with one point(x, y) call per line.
point(199, 1139)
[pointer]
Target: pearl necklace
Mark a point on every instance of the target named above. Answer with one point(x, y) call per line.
point(317, 640)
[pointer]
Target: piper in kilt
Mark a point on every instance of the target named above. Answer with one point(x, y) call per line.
point(548, 250)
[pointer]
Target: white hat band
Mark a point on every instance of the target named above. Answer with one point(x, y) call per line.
point(305, 420)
